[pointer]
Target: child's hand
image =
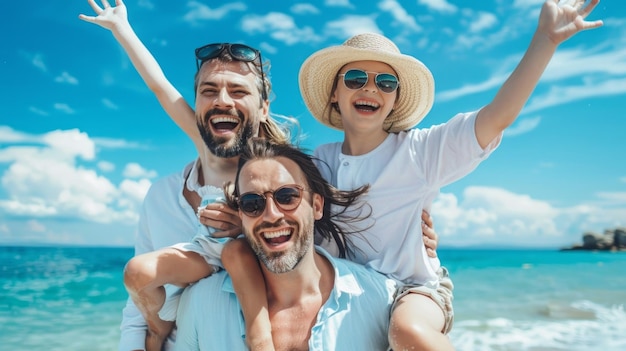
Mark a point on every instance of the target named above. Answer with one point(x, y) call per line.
point(221, 217)
point(107, 16)
point(561, 19)
point(429, 235)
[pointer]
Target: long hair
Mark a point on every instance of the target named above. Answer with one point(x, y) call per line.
point(336, 202)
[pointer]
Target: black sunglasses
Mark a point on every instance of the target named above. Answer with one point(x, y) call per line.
point(238, 52)
point(357, 78)
point(287, 198)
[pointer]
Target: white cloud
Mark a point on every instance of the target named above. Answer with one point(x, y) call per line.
point(136, 190)
point(66, 78)
point(613, 198)
point(44, 180)
point(493, 216)
point(200, 12)
point(109, 104)
point(483, 20)
point(338, 3)
point(70, 143)
point(304, 9)
point(37, 111)
point(280, 27)
point(106, 166)
point(110, 143)
point(439, 5)
point(147, 4)
point(401, 17)
point(65, 108)
point(37, 61)
point(350, 25)
point(578, 62)
point(267, 48)
point(134, 170)
point(10, 135)
point(467, 89)
point(522, 125)
point(561, 94)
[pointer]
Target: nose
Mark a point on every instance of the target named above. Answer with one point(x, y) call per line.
point(371, 83)
point(272, 213)
point(223, 99)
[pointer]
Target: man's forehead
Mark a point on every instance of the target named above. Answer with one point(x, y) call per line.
point(234, 69)
point(269, 174)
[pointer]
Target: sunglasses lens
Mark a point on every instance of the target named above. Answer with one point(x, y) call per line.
point(288, 198)
point(243, 52)
point(355, 79)
point(252, 204)
point(386, 82)
point(208, 52)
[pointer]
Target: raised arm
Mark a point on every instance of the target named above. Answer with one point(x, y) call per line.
point(558, 21)
point(115, 19)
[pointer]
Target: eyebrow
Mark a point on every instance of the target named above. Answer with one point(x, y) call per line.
point(229, 85)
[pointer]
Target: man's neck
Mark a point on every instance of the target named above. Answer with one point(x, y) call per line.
point(314, 276)
point(295, 299)
point(216, 171)
point(213, 170)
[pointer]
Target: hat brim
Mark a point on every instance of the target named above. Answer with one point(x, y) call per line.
point(415, 96)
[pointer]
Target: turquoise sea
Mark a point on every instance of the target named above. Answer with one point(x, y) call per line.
point(505, 300)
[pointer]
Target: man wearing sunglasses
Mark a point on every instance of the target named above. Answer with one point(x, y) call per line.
point(315, 301)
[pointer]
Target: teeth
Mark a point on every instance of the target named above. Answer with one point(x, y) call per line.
point(224, 120)
point(276, 234)
point(367, 103)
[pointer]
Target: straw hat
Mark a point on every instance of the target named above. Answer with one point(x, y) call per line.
point(416, 90)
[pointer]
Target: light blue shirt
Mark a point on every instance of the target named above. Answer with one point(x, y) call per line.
point(355, 316)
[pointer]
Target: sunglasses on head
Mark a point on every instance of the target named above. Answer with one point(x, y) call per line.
point(356, 79)
point(238, 52)
point(287, 198)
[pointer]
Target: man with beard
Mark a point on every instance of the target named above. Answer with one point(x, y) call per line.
point(315, 301)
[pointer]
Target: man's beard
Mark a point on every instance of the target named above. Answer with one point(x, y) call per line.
point(284, 261)
point(223, 147)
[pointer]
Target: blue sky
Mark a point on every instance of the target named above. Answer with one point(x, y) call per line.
point(82, 138)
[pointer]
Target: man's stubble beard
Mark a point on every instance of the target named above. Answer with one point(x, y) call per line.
point(223, 147)
point(285, 261)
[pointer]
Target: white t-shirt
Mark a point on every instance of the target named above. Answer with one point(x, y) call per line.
point(406, 173)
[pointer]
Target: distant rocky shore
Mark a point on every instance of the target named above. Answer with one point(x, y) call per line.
point(611, 240)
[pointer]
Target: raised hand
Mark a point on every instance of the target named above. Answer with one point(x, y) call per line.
point(561, 19)
point(107, 17)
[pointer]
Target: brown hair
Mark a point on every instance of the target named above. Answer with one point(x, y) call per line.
point(336, 202)
point(271, 129)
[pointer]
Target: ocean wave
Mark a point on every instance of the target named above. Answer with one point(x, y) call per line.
point(581, 325)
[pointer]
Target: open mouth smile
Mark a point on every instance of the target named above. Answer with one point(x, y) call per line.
point(366, 106)
point(224, 123)
point(277, 237)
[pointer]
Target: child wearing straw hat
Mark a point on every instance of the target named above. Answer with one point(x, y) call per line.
point(375, 94)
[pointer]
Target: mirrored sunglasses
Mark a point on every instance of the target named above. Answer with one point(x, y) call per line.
point(357, 78)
